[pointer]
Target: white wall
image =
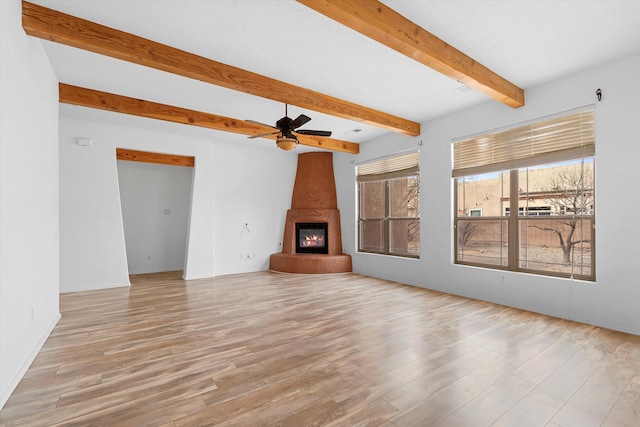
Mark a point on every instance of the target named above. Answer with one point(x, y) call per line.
point(28, 198)
point(155, 200)
point(241, 192)
point(612, 301)
point(252, 198)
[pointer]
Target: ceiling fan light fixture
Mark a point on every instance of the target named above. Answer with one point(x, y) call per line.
point(286, 143)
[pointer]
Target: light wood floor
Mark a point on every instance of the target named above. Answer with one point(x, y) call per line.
point(339, 350)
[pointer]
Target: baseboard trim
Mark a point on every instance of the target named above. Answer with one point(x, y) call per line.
point(96, 287)
point(23, 370)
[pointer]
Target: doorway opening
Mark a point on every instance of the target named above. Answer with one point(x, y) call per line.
point(155, 196)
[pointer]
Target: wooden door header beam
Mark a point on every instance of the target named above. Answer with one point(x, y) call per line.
point(83, 97)
point(61, 28)
point(383, 24)
point(152, 157)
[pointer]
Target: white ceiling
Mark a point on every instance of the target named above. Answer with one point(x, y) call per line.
point(528, 42)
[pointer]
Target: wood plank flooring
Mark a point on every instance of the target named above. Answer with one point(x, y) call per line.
point(272, 349)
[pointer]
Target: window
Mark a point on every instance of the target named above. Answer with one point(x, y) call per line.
point(389, 206)
point(543, 171)
point(531, 210)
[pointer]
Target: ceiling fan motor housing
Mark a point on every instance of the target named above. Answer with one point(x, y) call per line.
point(284, 124)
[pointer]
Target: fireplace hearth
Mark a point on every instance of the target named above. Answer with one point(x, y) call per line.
point(312, 240)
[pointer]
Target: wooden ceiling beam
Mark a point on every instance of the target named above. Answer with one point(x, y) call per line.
point(383, 24)
point(61, 28)
point(90, 98)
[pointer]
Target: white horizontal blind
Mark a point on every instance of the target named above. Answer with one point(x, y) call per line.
point(562, 138)
point(389, 167)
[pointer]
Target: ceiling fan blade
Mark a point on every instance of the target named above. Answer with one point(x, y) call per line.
point(262, 134)
point(299, 121)
point(314, 132)
point(261, 124)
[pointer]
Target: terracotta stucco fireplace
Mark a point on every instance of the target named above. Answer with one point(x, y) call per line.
point(314, 210)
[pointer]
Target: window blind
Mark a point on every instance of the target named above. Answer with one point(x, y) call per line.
point(389, 167)
point(554, 140)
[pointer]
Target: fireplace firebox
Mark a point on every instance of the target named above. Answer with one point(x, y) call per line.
point(311, 238)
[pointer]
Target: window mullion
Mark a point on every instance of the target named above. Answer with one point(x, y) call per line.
point(514, 235)
point(387, 214)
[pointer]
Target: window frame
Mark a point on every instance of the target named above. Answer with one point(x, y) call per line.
point(386, 177)
point(513, 234)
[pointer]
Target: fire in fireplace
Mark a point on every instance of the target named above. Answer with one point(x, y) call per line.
point(311, 238)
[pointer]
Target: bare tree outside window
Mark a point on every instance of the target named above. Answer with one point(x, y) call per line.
point(556, 217)
point(466, 230)
point(412, 203)
point(571, 196)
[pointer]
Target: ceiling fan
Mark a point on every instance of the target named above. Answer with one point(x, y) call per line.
point(287, 129)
